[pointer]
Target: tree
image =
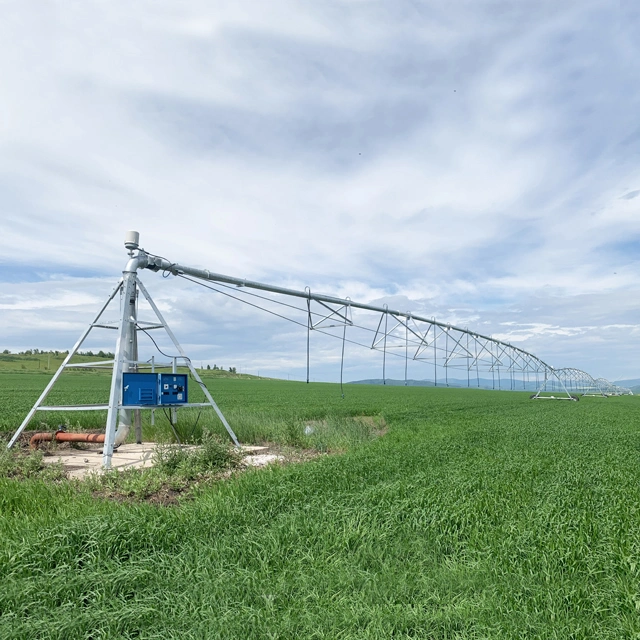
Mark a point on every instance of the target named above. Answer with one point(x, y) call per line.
point(208, 366)
point(6, 352)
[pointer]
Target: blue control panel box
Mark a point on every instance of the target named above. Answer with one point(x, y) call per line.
point(172, 388)
point(139, 388)
point(153, 389)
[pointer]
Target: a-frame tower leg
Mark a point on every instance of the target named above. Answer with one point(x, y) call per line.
point(62, 367)
point(194, 373)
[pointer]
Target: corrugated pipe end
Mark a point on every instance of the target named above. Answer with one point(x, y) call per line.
point(121, 434)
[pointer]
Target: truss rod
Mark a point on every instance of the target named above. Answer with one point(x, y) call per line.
point(157, 263)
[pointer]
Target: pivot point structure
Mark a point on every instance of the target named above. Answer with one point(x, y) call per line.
point(120, 415)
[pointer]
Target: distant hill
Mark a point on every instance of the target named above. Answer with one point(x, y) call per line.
point(47, 362)
point(634, 382)
point(44, 361)
point(400, 383)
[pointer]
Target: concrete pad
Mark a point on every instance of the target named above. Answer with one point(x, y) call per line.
point(262, 460)
point(78, 463)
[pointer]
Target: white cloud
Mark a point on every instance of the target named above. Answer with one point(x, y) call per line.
point(464, 162)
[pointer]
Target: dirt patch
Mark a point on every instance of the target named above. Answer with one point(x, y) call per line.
point(287, 454)
point(174, 491)
point(166, 497)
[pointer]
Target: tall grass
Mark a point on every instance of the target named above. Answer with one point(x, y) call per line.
point(21, 465)
point(334, 432)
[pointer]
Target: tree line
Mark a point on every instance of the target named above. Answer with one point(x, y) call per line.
point(217, 368)
point(51, 352)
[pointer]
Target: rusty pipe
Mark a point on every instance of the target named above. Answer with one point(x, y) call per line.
point(63, 436)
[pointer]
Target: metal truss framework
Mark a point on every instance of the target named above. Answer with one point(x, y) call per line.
point(394, 333)
point(572, 383)
point(120, 417)
point(404, 334)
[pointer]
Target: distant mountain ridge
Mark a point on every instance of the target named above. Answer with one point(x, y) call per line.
point(635, 382)
point(483, 383)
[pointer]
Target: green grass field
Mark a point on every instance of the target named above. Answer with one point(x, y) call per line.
point(478, 514)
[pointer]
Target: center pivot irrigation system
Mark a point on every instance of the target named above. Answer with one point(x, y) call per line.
point(135, 384)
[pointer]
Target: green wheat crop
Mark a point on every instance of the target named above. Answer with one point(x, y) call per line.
point(477, 514)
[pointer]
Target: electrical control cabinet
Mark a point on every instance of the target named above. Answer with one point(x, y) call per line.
point(139, 389)
point(153, 389)
point(172, 388)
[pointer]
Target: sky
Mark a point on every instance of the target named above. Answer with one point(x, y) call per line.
point(477, 162)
